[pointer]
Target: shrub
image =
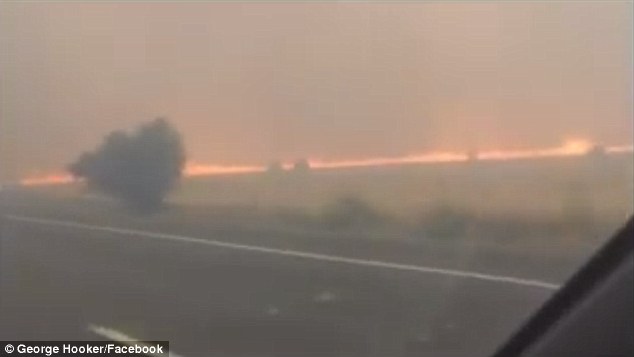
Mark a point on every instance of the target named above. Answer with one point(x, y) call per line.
point(446, 222)
point(350, 213)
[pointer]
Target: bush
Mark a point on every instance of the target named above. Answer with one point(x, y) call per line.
point(139, 168)
point(350, 213)
point(446, 222)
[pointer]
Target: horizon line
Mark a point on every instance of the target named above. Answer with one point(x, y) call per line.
point(570, 148)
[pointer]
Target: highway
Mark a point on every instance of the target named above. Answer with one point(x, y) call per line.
point(218, 292)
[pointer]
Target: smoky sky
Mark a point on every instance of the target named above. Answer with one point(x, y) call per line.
point(247, 83)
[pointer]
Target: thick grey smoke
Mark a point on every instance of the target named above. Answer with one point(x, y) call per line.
point(139, 168)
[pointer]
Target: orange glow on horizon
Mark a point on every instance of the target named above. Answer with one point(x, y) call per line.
point(49, 179)
point(577, 147)
point(434, 157)
point(196, 169)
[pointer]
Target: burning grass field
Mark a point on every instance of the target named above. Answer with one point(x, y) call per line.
point(439, 260)
point(570, 198)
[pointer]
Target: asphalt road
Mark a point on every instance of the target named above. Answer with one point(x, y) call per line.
point(59, 279)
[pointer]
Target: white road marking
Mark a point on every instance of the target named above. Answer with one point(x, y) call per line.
point(116, 336)
point(293, 253)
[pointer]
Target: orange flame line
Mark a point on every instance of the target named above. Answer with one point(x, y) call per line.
point(569, 148)
point(196, 169)
point(50, 179)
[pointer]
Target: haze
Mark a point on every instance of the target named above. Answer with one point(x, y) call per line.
point(247, 83)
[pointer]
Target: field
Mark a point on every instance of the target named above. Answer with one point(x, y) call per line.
point(431, 260)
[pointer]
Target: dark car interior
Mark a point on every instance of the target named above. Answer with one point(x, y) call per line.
point(592, 315)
